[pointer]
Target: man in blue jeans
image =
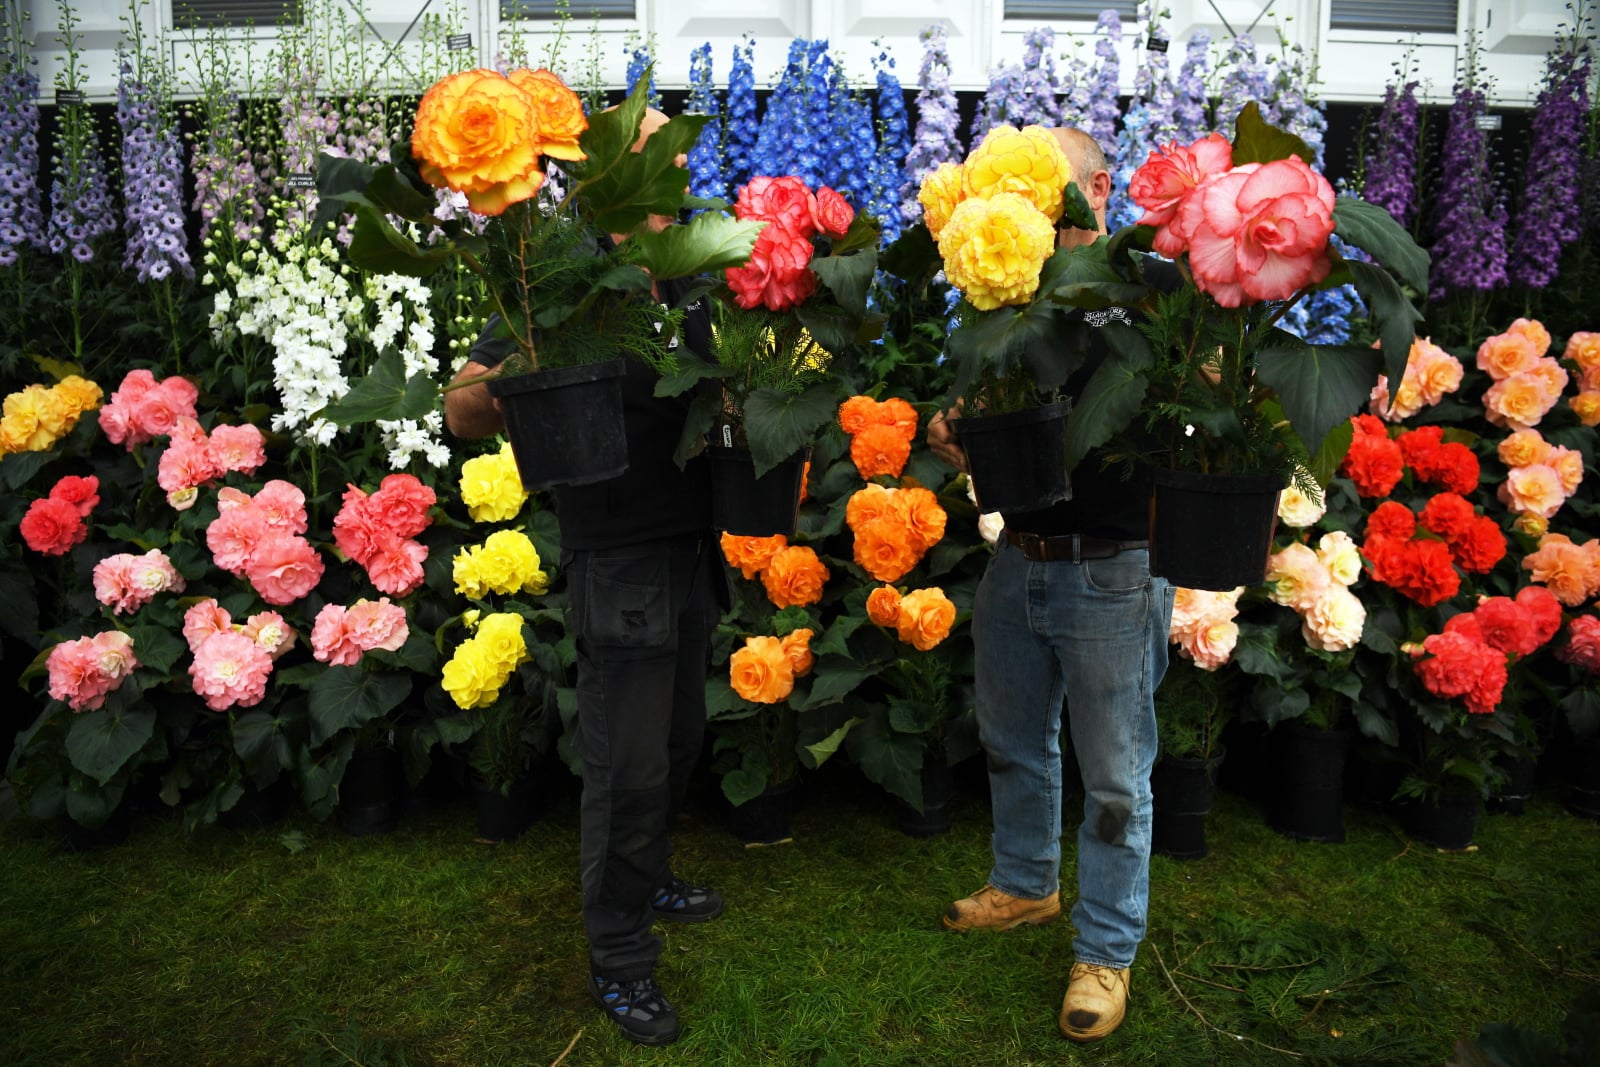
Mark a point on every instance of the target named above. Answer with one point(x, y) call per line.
point(1068, 610)
point(643, 574)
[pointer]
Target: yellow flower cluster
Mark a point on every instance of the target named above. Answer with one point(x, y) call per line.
point(484, 662)
point(506, 562)
point(491, 487)
point(994, 216)
point(37, 416)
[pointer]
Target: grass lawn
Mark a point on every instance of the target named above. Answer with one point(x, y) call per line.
point(298, 944)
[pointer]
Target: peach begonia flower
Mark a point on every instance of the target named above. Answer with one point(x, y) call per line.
point(1298, 510)
point(883, 606)
point(1534, 332)
point(1535, 489)
point(794, 577)
point(1568, 570)
point(1334, 621)
point(1341, 556)
point(750, 555)
point(1586, 406)
point(1506, 354)
point(761, 671)
point(1523, 448)
point(1583, 348)
point(926, 616)
point(1296, 577)
point(1523, 398)
point(1211, 645)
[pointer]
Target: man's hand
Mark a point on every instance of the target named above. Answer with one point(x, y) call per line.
point(469, 411)
point(942, 439)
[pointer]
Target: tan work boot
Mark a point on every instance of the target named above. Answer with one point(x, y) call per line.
point(1096, 1001)
point(990, 909)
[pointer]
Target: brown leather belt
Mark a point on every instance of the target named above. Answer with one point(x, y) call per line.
point(1068, 547)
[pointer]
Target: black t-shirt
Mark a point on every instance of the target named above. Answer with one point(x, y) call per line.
point(653, 498)
point(1108, 500)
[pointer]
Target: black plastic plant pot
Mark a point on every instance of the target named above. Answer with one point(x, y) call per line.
point(370, 792)
point(767, 818)
point(1446, 822)
point(1017, 460)
point(1307, 801)
point(565, 424)
point(1183, 791)
point(503, 816)
point(1212, 531)
point(748, 506)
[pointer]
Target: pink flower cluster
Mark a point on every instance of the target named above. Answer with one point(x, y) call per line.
point(54, 523)
point(1582, 646)
point(142, 408)
point(1431, 374)
point(1570, 571)
point(1316, 584)
point(1583, 349)
point(1470, 657)
point(258, 538)
point(192, 458)
point(232, 662)
point(84, 672)
point(125, 582)
point(1527, 383)
point(341, 635)
point(1540, 476)
point(376, 531)
point(779, 276)
point(1203, 625)
point(1258, 231)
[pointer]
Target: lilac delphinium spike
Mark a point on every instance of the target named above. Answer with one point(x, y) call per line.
point(21, 220)
point(775, 148)
point(1191, 103)
point(1039, 89)
point(1104, 109)
point(1244, 79)
point(80, 201)
point(936, 139)
point(306, 124)
point(1002, 102)
point(1294, 104)
point(705, 157)
point(739, 132)
point(227, 191)
point(1077, 93)
point(1153, 86)
point(362, 132)
point(894, 148)
point(1550, 219)
point(152, 182)
point(1391, 178)
point(1470, 249)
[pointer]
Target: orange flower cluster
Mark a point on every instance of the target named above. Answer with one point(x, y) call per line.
point(1527, 383)
point(1569, 570)
point(1583, 349)
point(893, 528)
point(921, 618)
point(792, 575)
point(880, 434)
point(764, 670)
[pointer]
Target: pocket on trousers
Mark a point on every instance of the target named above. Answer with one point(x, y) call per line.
point(1126, 572)
point(626, 603)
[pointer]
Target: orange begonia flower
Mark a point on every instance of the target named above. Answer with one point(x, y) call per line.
point(926, 616)
point(797, 646)
point(751, 554)
point(760, 672)
point(857, 413)
point(879, 450)
point(794, 577)
point(883, 606)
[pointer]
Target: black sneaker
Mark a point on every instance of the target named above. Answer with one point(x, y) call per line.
point(684, 903)
point(638, 1007)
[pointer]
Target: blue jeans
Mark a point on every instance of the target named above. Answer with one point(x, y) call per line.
point(1095, 635)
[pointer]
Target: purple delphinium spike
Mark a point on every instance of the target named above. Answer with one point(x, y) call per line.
point(21, 220)
point(936, 139)
point(705, 157)
point(1191, 104)
point(1469, 251)
point(80, 201)
point(1391, 173)
point(1294, 105)
point(306, 124)
point(775, 147)
point(152, 182)
point(1002, 102)
point(1077, 93)
point(739, 132)
point(1103, 108)
point(894, 147)
point(1039, 89)
point(1244, 79)
point(1550, 218)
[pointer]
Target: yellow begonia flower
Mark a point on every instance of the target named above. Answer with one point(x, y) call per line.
point(491, 487)
point(469, 677)
point(942, 189)
point(508, 561)
point(78, 394)
point(464, 569)
point(1028, 162)
point(470, 617)
point(500, 637)
point(538, 583)
point(994, 248)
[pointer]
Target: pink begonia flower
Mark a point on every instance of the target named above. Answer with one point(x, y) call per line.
point(1582, 646)
point(282, 506)
point(1534, 490)
point(204, 619)
point(157, 412)
point(1196, 608)
point(1167, 177)
point(396, 567)
point(333, 639)
point(126, 583)
point(1297, 578)
point(115, 414)
point(269, 630)
point(785, 201)
point(186, 461)
point(237, 448)
point(402, 503)
point(233, 536)
point(283, 568)
point(85, 671)
point(832, 213)
point(1211, 645)
point(1260, 231)
point(229, 669)
point(1334, 621)
point(379, 624)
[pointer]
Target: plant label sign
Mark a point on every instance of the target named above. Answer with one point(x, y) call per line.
point(458, 42)
point(1487, 122)
point(300, 181)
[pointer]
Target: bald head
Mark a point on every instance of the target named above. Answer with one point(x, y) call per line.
point(1092, 174)
point(652, 121)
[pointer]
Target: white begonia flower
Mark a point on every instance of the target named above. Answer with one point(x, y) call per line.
point(1297, 509)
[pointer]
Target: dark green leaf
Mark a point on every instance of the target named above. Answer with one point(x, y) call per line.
point(821, 750)
point(262, 744)
point(385, 393)
point(21, 617)
point(376, 245)
point(1326, 459)
point(157, 647)
point(891, 759)
point(1085, 277)
point(690, 370)
point(747, 781)
point(1319, 386)
point(913, 257)
point(778, 425)
point(1076, 211)
point(1113, 394)
point(620, 187)
point(1256, 142)
point(848, 278)
point(100, 743)
point(348, 697)
point(1395, 317)
point(1375, 232)
point(835, 680)
point(19, 468)
point(710, 242)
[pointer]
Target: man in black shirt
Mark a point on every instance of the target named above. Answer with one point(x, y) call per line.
point(1068, 610)
point(638, 554)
